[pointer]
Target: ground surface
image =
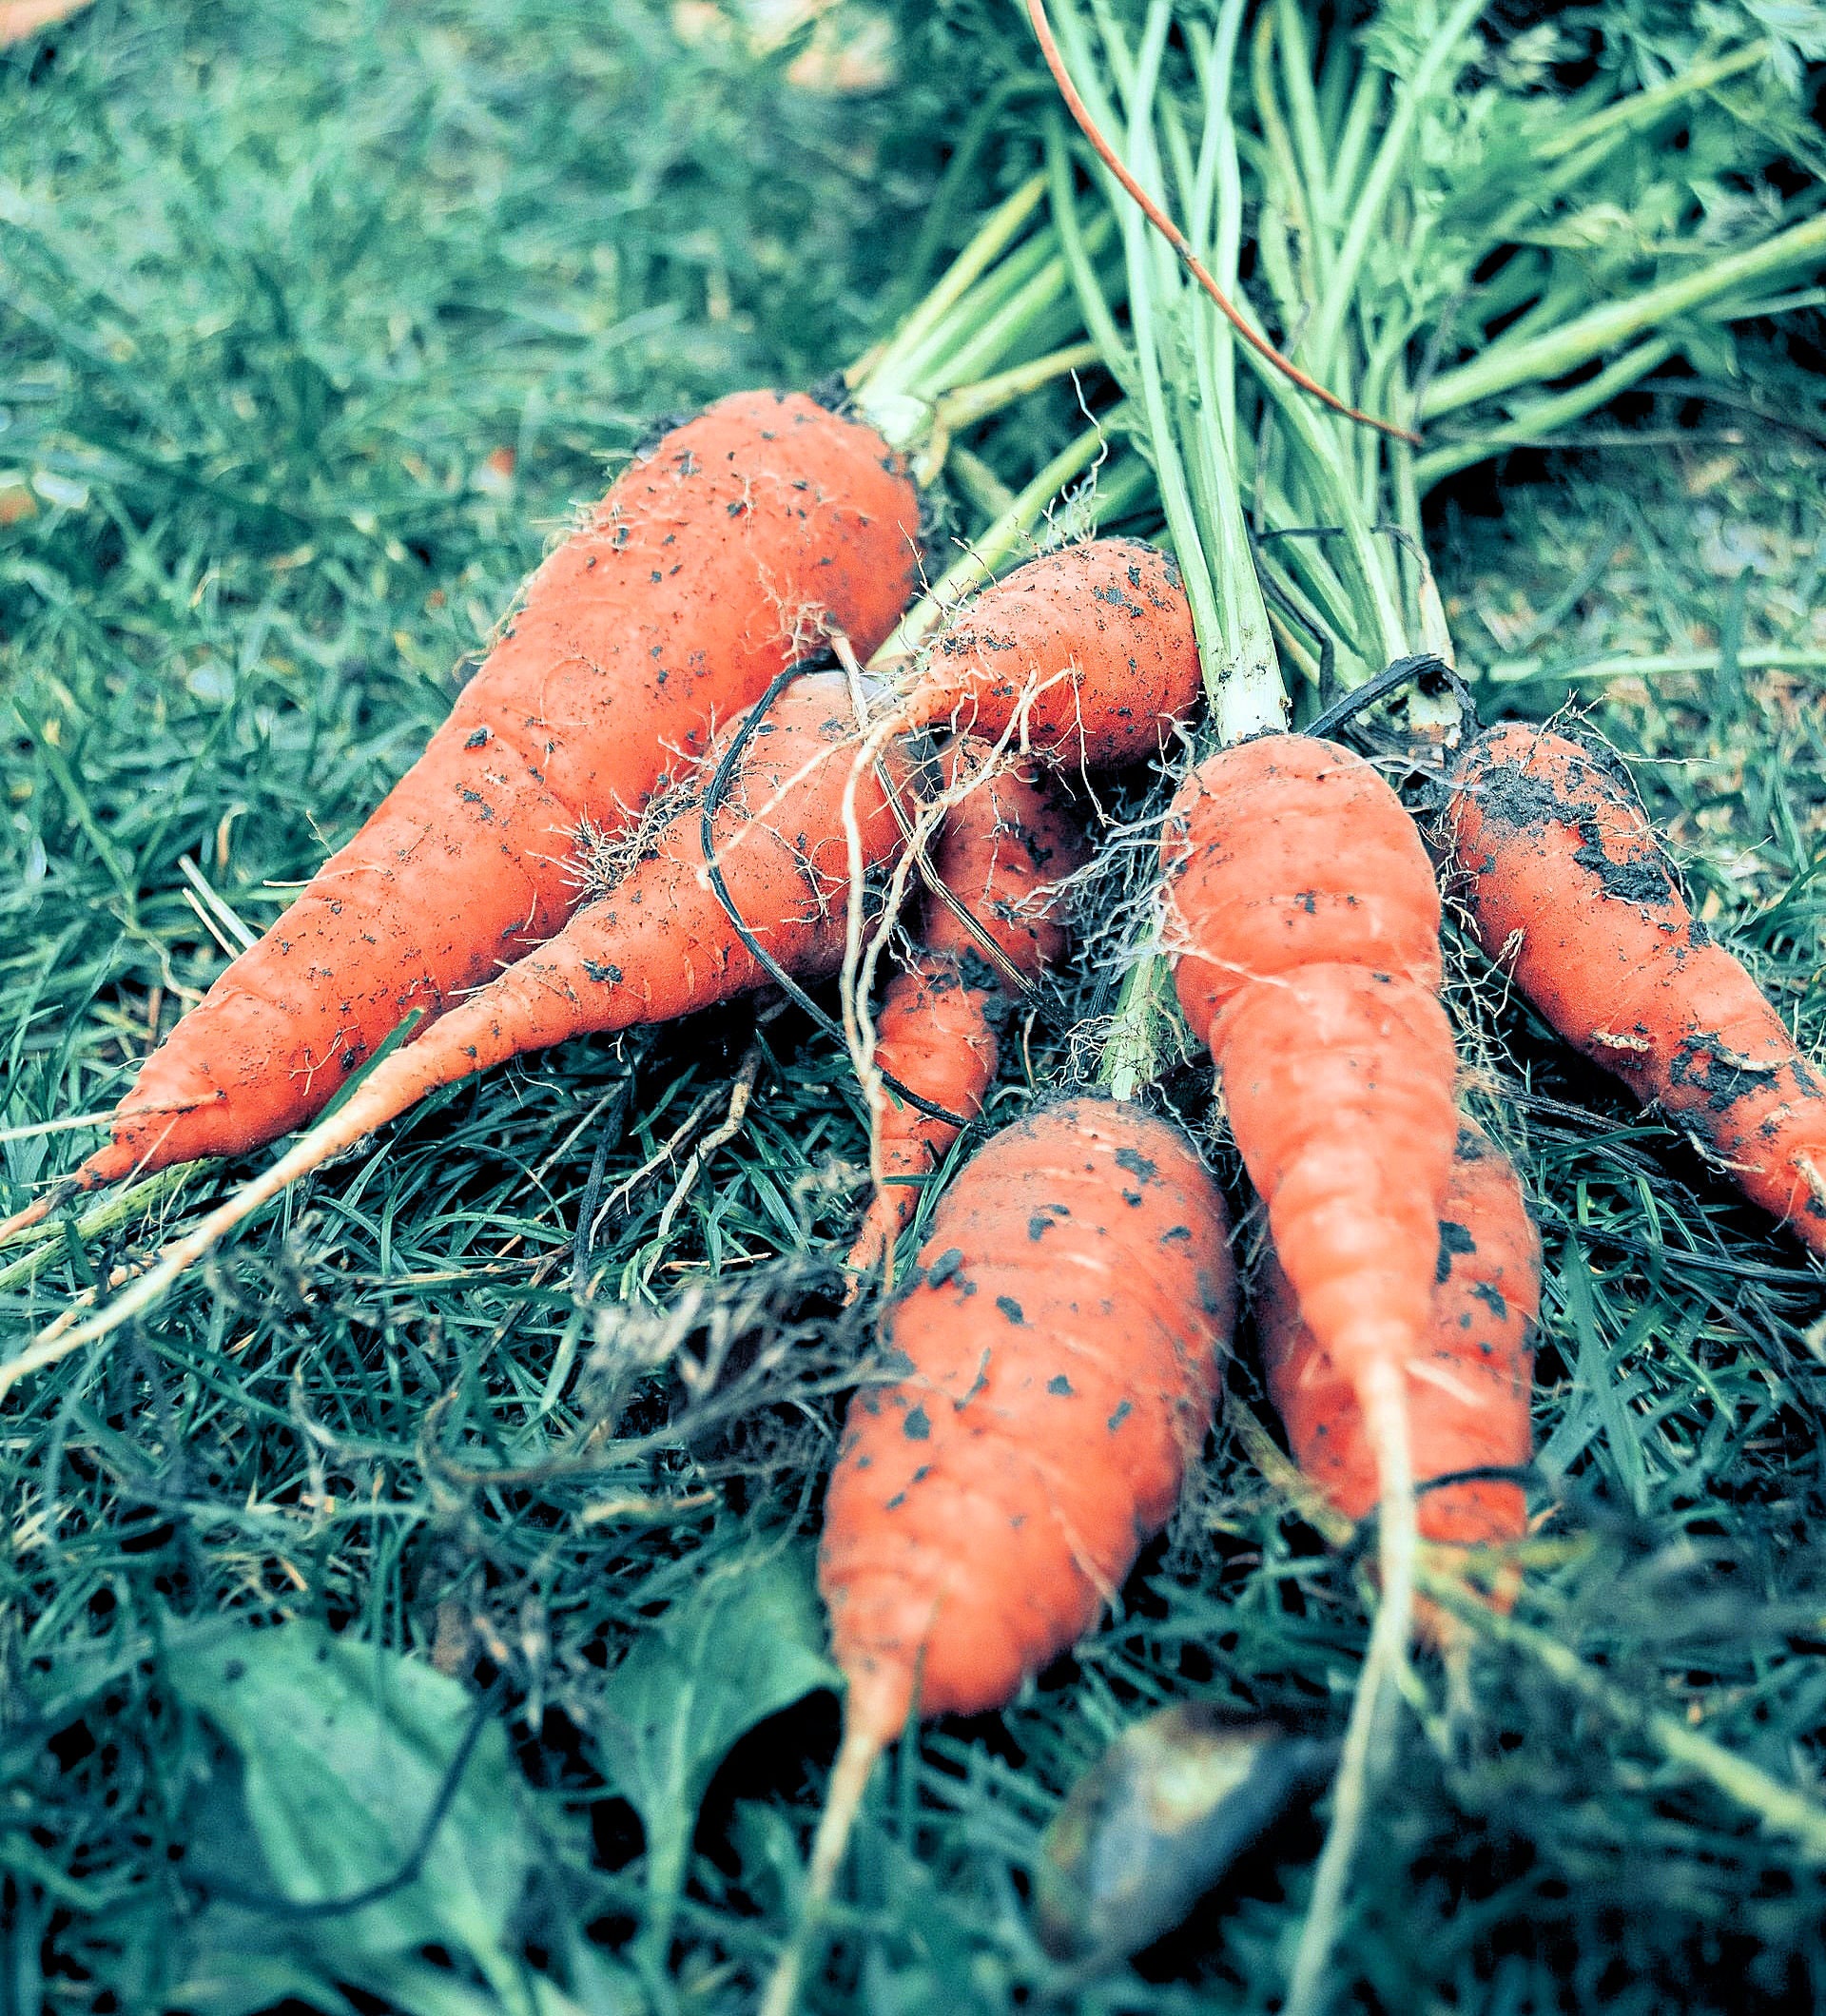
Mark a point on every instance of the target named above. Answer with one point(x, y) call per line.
point(316, 321)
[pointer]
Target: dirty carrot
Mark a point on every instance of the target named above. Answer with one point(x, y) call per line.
point(1469, 1389)
point(1570, 894)
point(1303, 918)
point(719, 557)
point(1085, 657)
point(1005, 848)
point(656, 945)
point(1057, 1359)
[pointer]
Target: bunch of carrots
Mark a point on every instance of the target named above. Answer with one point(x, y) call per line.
point(818, 774)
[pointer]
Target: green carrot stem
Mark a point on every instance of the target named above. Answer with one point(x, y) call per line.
point(998, 231)
point(1040, 303)
point(1303, 111)
point(1366, 214)
point(1292, 185)
point(980, 483)
point(968, 404)
point(1093, 304)
point(1116, 493)
point(1375, 607)
point(1145, 1031)
point(1359, 123)
point(1780, 304)
point(1227, 236)
point(920, 369)
point(1543, 418)
point(1643, 108)
point(1502, 367)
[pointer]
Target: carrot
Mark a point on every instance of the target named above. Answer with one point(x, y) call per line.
point(711, 563)
point(1105, 684)
point(1468, 1388)
point(1085, 656)
point(1003, 851)
point(1569, 892)
point(657, 945)
point(1304, 922)
point(1057, 1357)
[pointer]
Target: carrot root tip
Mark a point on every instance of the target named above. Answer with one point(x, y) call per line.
point(1367, 1733)
point(856, 1756)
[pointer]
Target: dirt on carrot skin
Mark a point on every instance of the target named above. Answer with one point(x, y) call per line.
point(1470, 1388)
point(1086, 656)
point(1006, 850)
point(1569, 892)
point(709, 566)
point(1059, 1348)
point(1303, 918)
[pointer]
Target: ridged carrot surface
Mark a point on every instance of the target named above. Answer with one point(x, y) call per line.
point(1086, 654)
point(1002, 853)
point(1059, 1351)
point(1468, 1388)
point(711, 563)
point(1571, 895)
point(1304, 918)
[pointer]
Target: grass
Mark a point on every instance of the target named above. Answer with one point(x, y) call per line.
point(282, 282)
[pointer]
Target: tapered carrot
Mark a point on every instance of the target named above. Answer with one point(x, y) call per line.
point(1304, 922)
point(1058, 1349)
point(657, 945)
point(1304, 918)
point(1005, 848)
point(1570, 894)
point(1469, 1385)
point(714, 561)
point(1126, 690)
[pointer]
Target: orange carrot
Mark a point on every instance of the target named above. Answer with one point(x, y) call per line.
point(1085, 656)
point(1305, 926)
point(657, 945)
point(683, 952)
point(1003, 851)
point(1468, 1391)
point(1058, 1358)
point(712, 562)
point(1571, 895)
point(1304, 918)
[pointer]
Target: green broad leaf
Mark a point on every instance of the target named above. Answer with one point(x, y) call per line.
point(344, 1750)
point(745, 1643)
point(231, 1962)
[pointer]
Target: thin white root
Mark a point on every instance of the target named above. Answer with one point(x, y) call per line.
point(860, 959)
point(855, 1765)
point(59, 1339)
point(756, 821)
point(668, 1151)
point(741, 1094)
point(1308, 1990)
point(860, 1045)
